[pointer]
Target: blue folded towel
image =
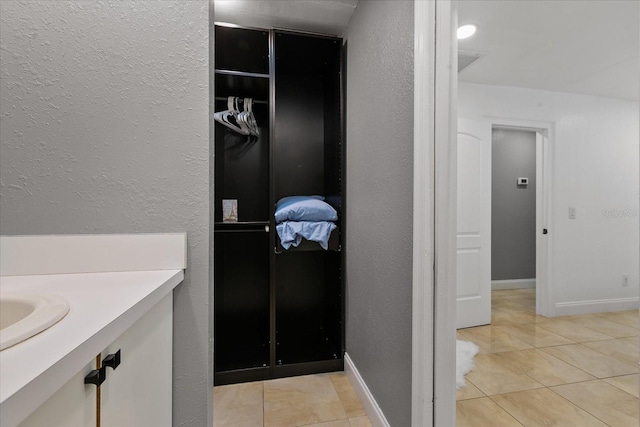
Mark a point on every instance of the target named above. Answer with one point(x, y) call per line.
point(292, 232)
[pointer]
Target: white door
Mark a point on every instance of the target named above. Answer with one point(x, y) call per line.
point(474, 224)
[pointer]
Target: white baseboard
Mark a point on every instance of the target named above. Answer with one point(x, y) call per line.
point(499, 285)
point(597, 306)
point(362, 391)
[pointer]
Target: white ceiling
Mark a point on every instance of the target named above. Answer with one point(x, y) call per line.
point(317, 16)
point(578, 46)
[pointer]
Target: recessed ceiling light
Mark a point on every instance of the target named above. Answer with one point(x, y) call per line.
point(466, 31)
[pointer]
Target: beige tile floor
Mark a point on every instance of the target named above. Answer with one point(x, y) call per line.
point(538, 371)
point(324, 400)
point(531, 371)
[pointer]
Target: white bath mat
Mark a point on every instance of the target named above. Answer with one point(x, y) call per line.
point(465, 351)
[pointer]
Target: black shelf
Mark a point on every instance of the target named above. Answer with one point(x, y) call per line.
point(255, 101)
point(240, 223)
point(295, 369)
point(248, 226)
point(279, 371)
point(242, 74)
point(241, 85)
point(242, 375)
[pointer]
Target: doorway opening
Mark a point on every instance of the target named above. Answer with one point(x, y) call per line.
point(520, 225)
point(513, 209)
point(538, 205)
point(513, 221)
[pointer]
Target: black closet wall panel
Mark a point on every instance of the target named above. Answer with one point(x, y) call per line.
point(299, 132)
point(242, 304)
point(308, 121)
point(308, 307)
point(333, 127)
point(244, 50)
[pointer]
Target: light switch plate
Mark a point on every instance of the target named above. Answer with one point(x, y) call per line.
point(572, 213)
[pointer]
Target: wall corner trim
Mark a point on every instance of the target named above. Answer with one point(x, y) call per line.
point(375, 414)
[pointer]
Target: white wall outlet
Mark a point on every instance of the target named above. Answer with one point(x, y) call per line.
point(572, 213)
point(523, 181)
point(625, 280)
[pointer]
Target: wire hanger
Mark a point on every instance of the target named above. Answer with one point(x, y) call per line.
point(246, 117)
point(242, 115)
point(229, 117)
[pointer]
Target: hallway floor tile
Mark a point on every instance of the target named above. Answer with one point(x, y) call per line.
point(535, 371)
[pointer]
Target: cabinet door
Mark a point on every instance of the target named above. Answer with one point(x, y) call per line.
point(73, 405)
point(139, 391)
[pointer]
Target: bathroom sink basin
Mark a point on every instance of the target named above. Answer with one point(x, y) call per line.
point(25, 315)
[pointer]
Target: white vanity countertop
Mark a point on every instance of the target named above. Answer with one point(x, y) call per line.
point(102, 307)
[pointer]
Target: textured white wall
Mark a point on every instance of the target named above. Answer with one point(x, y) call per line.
point(104, 129)
point(379, 239)
point(595, 170)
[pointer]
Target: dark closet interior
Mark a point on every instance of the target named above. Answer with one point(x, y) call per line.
point(277, 312)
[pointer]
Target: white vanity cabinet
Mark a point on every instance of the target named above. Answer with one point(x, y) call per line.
point(138, 392)
point(119, 288)
point(74, 404)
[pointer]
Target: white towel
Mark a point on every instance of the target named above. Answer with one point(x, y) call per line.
point(465, 351)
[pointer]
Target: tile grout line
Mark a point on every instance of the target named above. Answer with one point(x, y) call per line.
point(578, 406)
point(548, 388)
point(614, 357)
point(613, 385)
point(619, 376)
point(586, 327)
point(264, 412)
point(560, 360)
point(592, 349)
point(344, 409)
point(505, 410)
